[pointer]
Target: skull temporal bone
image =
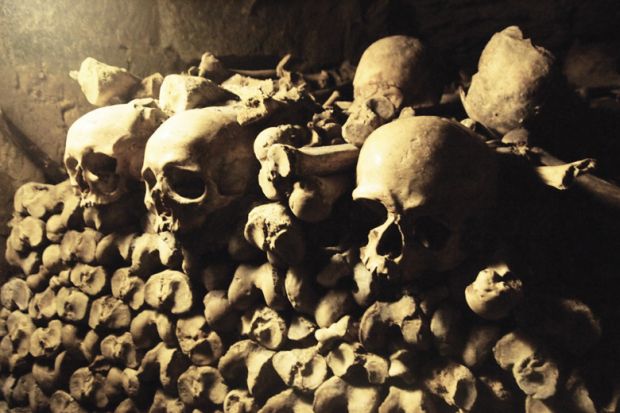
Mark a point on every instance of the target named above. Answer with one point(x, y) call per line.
point(432, 177)
point(105, 149)
point(197, 162)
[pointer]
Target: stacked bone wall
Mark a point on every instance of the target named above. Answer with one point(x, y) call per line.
point(42, 41)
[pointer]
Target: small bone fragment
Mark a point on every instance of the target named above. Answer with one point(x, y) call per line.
point(495, 292)
point(78, 343)
point(51, 259)
point(404, 365)
point(86, 387)
point(71, 304)
point(149, 87)
point(55, 376)
point(169, 290)
point(202, 345)
point(120, 349)
point(313, 197)
point(248, 280)
point(248, 363)
point(563, 176)
point(149, 327)
point(273, 229)
point(366, 115)
point(452, 382)
point(179, 93)
point(336, 396)
point(114, 249)
point(346, 360)
point(300, 329)
point(535, 373)
point(292, 135)
point(80, 246)
point(30, 263)
point(40, 280)
point(110, 313)
point(62, 402)
point(333, 306)
point(212, 68)
point(287, 401)
point(346, 329)
point(150, 252)
point(289, 161)
point(218, 311)
point(407, 401)
point(405, 314)
point(239, 401)
point(15, 294)
point(128, 288)
point(301, 369)
point(301, 290)
point(201, 386)
point(162, 402)
point(15, 345)
point(103, 84)
point(27, 234)
point(166, 363)
point(339, 266)
point(268, 328)
point(90, 280)
point(43, 305)
point(45, 342)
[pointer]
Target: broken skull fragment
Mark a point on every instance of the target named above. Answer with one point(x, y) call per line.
point(218, 249)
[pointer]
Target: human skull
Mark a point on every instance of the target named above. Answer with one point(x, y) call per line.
point(430, 177)
point(400, 69)
point(105, 149)
point(197, 162)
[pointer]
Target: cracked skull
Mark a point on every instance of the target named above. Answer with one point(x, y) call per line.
point(105, 148)
point(431, 179)
point(197, 162)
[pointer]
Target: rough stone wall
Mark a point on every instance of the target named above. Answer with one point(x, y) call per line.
point(41, 41)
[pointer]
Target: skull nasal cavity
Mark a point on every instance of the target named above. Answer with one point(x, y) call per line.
point(187, 184)
point(390, 242)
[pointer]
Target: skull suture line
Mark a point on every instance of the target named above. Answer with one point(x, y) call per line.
point(105, 149)
point(197, 162)
point(431, 177)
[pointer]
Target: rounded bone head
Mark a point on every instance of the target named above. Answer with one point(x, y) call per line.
point(105, 149)
point(399, 68)
point(430, 178)
point(197, 162)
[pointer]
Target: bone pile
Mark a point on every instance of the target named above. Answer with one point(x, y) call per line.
point(226, 243)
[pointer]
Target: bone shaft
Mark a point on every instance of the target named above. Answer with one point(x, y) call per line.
point(319, 161)
point(602, 191)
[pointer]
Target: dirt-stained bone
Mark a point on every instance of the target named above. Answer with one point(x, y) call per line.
point(105, 148)
point(103, 84)
point(525, 73)
point(197, 162)
point(432, 193)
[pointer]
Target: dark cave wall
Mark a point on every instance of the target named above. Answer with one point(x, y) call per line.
point(42, 40)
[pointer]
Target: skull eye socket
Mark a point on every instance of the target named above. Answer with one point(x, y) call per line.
point(71, 163)
point(100, 164)
point(149, 178)
point(430, 233)
point(187, 184)
point(370, 212)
